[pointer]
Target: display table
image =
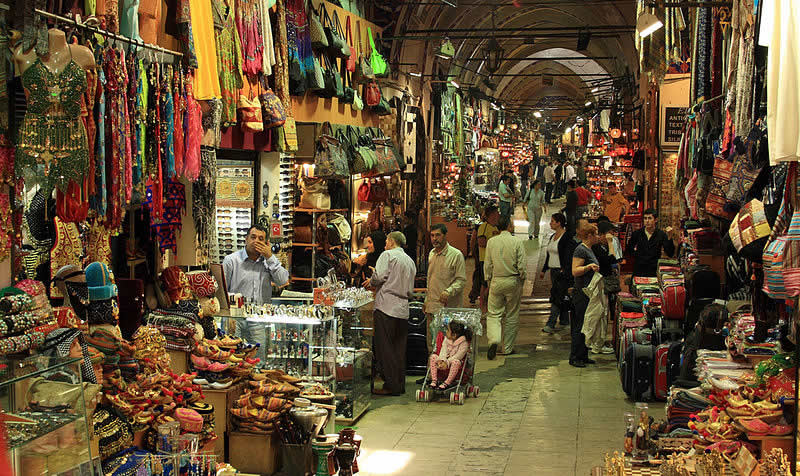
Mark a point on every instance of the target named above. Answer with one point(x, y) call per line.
point(222, 400)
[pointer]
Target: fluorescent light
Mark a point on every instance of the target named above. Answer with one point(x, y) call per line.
point(595, 89)
point(588, 103)
point(647, 24)
point(567, 130)
point(415, 74)
point(494, 106)
point(454, 83)
point(537, 114)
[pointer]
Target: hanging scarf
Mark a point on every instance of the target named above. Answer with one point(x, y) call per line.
point(59, 343)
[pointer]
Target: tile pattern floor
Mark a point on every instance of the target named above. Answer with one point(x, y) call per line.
point(535, 415)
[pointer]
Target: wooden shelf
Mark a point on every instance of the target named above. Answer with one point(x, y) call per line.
point(301, 279)
point(320, 210)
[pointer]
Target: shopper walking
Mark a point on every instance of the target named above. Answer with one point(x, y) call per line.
point(446, 274)
point(506, 270)
point(393, 280)
point(534, 200)
point(524, 175)
point(558, 258)
point(569, 172)
point(559, 180)
point(506, 193)
point(584, 197)
point(549, 182)
point(486, 230)
point(646, 245)
point(571, 208)
point(580, 174)
point(615, 205)
point(584, 266)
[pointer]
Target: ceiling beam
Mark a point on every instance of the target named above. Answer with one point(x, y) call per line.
point(550, 58)
point(533, 29)
point(505, 36)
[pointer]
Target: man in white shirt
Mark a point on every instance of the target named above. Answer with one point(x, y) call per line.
point(549, 181)
point(446, 273)
point(393, 278)
point(506, 270)
point(569, 172)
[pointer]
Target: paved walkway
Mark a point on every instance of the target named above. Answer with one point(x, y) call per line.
point(535, 415)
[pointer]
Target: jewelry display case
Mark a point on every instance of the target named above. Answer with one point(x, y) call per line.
point(353, 361)
point(45, 405)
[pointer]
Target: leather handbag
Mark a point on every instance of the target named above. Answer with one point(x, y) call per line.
point(273, 112)
point(372, 94)
point(378, 191)
point(315, 194)
point(378, 63)
point(330, 159)
point(380, 138)
point(363, 191)
point(343, 227)
point(358, 161)
point(382, 108)
point(358, 103)
point(319, 40)
point(717, 195)
point(250, 118)
point(337, 45)
point(348, 93)
point(316, 78)
point(350, 61)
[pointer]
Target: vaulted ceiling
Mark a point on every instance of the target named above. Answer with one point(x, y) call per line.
point(542, 66)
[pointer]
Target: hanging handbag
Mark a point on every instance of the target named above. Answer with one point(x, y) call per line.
point(382, 108)
point(715, 203)
point(750, 229)
point(289, 130)
point(330, 159)
point(781, 252)
point(273, 113)
point(390, 146)
point(319, 40)
point(372, 94)
point(363, 191)
point(342, 226)
point(378, 192)
point(351, 59)
point(378, 63)
point(315, 194)
point(348, 93)
point(332, 83)
point(250, 117)
point(358, 103)
point(316, 78)
point(297, 77)
point(336, 43)
point(358, 163)
point(743, 176)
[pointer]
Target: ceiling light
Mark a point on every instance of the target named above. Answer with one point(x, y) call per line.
point(446, 50)
point(494, 106)
point(647, 24)
point(537, 114)
point(567, 130)
point(588, 103)
point(503, 107)
point(415, 74)
point(454, 83)
point(595, 89)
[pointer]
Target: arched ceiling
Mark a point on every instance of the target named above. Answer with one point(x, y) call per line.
point(531, 33)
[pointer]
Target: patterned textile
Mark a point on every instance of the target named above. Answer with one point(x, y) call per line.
point(67, 249)
point(702, 62)
point(749, 225)
point(743, 175)
point(229, 58)
point(173, 207)
point(282, 65)
point(715, 203)
point(167, 107)
point(782, 263)
point(248, 24)
point(184, 23)
point(105, 311)
point(98, 244)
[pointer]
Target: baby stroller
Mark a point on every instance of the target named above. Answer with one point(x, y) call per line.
point(462, 387)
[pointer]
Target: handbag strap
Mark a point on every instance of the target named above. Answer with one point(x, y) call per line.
point(371, 41)
point(348, 34)
point(338, 24)
point(325, 18)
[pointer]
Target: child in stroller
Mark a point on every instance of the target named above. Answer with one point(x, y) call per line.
point(451, 356)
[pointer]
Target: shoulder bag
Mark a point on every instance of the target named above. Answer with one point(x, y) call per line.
point(316, 78)
point(382, 108)
point(348, 93)
point(372, 93)
point(743, 176)
point(336, 44)
point(363, 191)
point(319, 40)
point(250, 117)
point(717, 195)
point(351, 58)
point(297, 77)
point(315, 194)
point(358, 162)
point(330, 159)
point(379, 65)
point(273, 113)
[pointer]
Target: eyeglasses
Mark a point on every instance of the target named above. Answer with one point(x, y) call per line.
point(235, 172)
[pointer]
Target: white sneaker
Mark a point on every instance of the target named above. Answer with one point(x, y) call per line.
point(606, 350)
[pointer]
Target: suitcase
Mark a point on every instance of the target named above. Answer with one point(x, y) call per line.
point(417, 342)
point(637, 372)
point(673, 302)
point(639, 335)
point(661, 374)
point(666, 330)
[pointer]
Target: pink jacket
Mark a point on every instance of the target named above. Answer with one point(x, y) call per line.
point(452, 351)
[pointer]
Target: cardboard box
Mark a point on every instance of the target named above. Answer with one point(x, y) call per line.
point(180, 361)
point(251, 453)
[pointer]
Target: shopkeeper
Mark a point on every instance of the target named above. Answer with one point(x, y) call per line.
point(647, 243)
point(251, 272)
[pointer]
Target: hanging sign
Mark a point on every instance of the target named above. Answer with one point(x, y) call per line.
point(276, 229)
point(672, 122)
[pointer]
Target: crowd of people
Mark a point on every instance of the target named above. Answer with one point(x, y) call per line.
point(583, 260)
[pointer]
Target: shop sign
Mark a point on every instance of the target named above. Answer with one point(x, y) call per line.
point(672, 122)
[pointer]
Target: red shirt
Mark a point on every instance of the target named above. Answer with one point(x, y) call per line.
point(583, 196)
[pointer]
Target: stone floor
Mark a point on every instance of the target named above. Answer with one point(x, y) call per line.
point(535, 415)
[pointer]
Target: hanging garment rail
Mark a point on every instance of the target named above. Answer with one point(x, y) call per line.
point(106, 33)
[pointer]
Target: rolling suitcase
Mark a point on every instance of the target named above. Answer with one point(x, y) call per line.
point(417, 342)
point(639, 335)
point(637, 372)
point(666, 330)
point(661, 374)
point(673, 302)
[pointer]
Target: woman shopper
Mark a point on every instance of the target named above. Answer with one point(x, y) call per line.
point(375, 244)
point(558, 259)
point(584, 266)
point(534, 198)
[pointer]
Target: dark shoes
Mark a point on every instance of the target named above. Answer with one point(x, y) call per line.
point(381, 391)
point(590, 361)
point(492, 353)
point(577, 363)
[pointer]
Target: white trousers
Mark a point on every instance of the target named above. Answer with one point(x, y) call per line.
point(504, 297)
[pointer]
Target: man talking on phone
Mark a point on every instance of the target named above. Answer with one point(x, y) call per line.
point(251, 272)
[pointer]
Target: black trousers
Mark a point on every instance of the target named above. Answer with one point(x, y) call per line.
point(548, 192)
point(389, 345)
point(578, 350)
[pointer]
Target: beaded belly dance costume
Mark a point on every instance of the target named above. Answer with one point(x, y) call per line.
point(52, 149)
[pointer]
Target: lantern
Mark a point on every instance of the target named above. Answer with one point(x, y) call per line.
point(616, 133)
point(494, 55)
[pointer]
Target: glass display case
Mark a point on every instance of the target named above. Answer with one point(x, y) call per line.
point(45, 404)
point(353, 362)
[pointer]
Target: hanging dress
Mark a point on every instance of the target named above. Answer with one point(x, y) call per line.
point(52, 148)
point(229, 59)
point(206, 79)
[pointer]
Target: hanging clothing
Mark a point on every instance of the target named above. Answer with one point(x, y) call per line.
point(206, 79)
point(129, 20)
point(229, 58)
point(248, 24)
point(52, 148)
point(268, 50)
point(783, 73)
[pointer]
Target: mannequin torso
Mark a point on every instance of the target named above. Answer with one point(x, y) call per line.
point(60, 55)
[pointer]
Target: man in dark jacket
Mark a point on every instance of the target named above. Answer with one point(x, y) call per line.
point(571, 208)
point(647, 243)
point(559, 180)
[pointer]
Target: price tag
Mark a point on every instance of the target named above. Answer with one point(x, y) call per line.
point(276, 229)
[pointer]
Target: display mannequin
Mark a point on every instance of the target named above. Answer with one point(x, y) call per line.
point(59, 56)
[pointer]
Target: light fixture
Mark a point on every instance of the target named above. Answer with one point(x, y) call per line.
point(588, 103)
point(454, 84)
point(446, 50)
point(493, 52)
point(648, 23)
point(537, 114)
point(595, 89)
point(494, 106)
point(415, 74)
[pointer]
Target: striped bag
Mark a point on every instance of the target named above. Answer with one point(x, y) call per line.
point(782, 254)
point(717, 196)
